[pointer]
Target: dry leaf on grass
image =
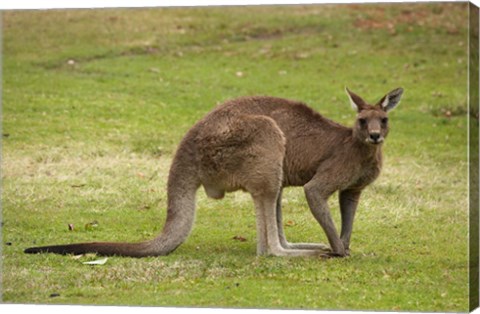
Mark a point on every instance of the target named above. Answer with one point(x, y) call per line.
point(239, 238)
point(97, 262)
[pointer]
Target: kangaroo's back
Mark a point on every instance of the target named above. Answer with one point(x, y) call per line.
point(309, 137)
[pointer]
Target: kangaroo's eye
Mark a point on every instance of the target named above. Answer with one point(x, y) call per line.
point(384, 121)
point(363, 122)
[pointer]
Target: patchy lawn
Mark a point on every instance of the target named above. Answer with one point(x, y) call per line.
point(96, 101)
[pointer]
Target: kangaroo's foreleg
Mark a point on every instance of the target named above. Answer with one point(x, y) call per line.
point(348, 200)
point(283, 240)
point(317, 201)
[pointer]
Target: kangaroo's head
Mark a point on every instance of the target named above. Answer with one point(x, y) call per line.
point(371, 126)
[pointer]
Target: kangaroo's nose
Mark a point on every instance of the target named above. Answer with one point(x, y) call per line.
point(375, 136)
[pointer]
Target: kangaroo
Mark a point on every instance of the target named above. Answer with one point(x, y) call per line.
point(261, 145)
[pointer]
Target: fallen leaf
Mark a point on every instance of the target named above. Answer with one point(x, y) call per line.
point(239, 238)
point(290, 223)
point(91, 225)
point(97, 262)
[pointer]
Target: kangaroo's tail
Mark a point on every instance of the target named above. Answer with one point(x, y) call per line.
point(180, 217)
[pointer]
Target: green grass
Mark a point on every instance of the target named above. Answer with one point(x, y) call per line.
point(92, 140)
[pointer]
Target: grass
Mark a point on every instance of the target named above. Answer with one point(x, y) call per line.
point(95, 102)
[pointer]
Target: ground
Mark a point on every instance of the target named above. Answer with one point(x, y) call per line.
point(96, 101)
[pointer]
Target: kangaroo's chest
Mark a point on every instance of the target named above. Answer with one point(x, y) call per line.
point(366, 175)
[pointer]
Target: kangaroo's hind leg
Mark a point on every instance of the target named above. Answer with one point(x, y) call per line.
point(265, 206)
point(261, 174)
point(283, 240)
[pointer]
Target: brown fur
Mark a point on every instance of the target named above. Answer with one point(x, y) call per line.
point(260, 145)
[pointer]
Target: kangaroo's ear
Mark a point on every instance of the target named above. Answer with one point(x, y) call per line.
point(391, 100)
point(356, 101)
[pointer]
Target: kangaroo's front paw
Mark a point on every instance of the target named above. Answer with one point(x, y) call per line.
point(335, 255)
point(339, 252)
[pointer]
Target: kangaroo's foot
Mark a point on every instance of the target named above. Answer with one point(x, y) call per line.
point(298, 252)
point(307, 246)
point(336, 255)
